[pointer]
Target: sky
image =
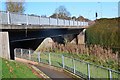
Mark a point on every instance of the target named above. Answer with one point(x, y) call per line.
point(86, 9)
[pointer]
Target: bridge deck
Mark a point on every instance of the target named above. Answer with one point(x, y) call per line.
point(33, 21)
point(39, 27)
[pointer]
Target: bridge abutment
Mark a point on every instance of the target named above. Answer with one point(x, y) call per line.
point(81, 37)
point(4, 45)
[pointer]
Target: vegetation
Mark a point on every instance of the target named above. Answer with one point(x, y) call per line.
point(12, 69)
point(17, 7)
point(104, 32)
point(94, 54)
point(62, 13)
point(80, 66)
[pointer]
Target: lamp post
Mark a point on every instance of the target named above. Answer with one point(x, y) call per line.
point(100, 6)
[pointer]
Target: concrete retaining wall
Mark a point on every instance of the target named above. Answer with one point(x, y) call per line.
point(4, 45)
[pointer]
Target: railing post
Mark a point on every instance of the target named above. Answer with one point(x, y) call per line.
point(49, 59)
point(77, 22)
point(64, 22)
point(63, 63)
point(29, 54)
point(8, 16)
point(21, 51)
point(88, 68)
point(69, 22)
point(38, 56)
point(27, 19)
point(49, 21)
point(84, 23)
point(73, 22)
point(74, 65)
point(39, 20)
point(15, 52)
point(57, 21)
point(81, 23)
point(110, 74)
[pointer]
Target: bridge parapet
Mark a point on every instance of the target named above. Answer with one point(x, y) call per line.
point(25, 19)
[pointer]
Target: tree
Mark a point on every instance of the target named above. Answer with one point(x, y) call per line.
point(61, 12)
point(53, 15)
point(80, 18)
point(17, 7)
point(74, 18)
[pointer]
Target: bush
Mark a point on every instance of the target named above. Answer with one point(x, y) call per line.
point(104, 32)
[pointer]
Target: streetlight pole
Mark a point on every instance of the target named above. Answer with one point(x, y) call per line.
point(100, 4)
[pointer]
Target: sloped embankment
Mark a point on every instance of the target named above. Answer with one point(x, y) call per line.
point(13, 69)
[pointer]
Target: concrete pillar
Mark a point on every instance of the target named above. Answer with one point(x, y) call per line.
point(81, 37)
point(4, 45)
point(74, 40)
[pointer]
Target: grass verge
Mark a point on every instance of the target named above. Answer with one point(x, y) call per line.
point(13, 69)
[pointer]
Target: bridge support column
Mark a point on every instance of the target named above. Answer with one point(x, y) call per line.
point(75, 40)
point(81, 37)
point(4, 45)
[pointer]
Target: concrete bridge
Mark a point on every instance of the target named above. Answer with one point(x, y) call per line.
point(28, 31)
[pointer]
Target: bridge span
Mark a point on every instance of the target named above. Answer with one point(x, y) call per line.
point(28, 31)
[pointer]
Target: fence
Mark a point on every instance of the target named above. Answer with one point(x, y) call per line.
point(78, 67)
point(25, 19)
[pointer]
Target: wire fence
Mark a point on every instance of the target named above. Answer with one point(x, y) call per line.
point(25, 19)
point(78, 67)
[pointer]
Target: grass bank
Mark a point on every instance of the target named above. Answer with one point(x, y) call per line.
point(13, 69)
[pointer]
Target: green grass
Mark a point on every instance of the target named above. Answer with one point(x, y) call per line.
point(81, 67)
point(13, 69)
point(96, 72)
point(0, 68)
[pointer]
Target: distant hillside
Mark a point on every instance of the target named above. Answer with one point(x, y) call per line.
point(105, 32)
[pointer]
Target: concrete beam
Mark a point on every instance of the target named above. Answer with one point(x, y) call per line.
point(38, 27)
point(4, 45)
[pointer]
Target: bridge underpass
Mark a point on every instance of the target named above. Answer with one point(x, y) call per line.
point(32, 38)
point(26, 31)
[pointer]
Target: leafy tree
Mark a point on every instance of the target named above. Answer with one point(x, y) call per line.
point(61, 12)
point(81, 18)
point(17, 7)
point(53, 15)
point(74, 18)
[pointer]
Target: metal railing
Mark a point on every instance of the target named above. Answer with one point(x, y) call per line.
point(78, 67)
point(25, 19)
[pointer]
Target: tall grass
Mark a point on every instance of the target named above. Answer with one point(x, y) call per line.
point(93, 53)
